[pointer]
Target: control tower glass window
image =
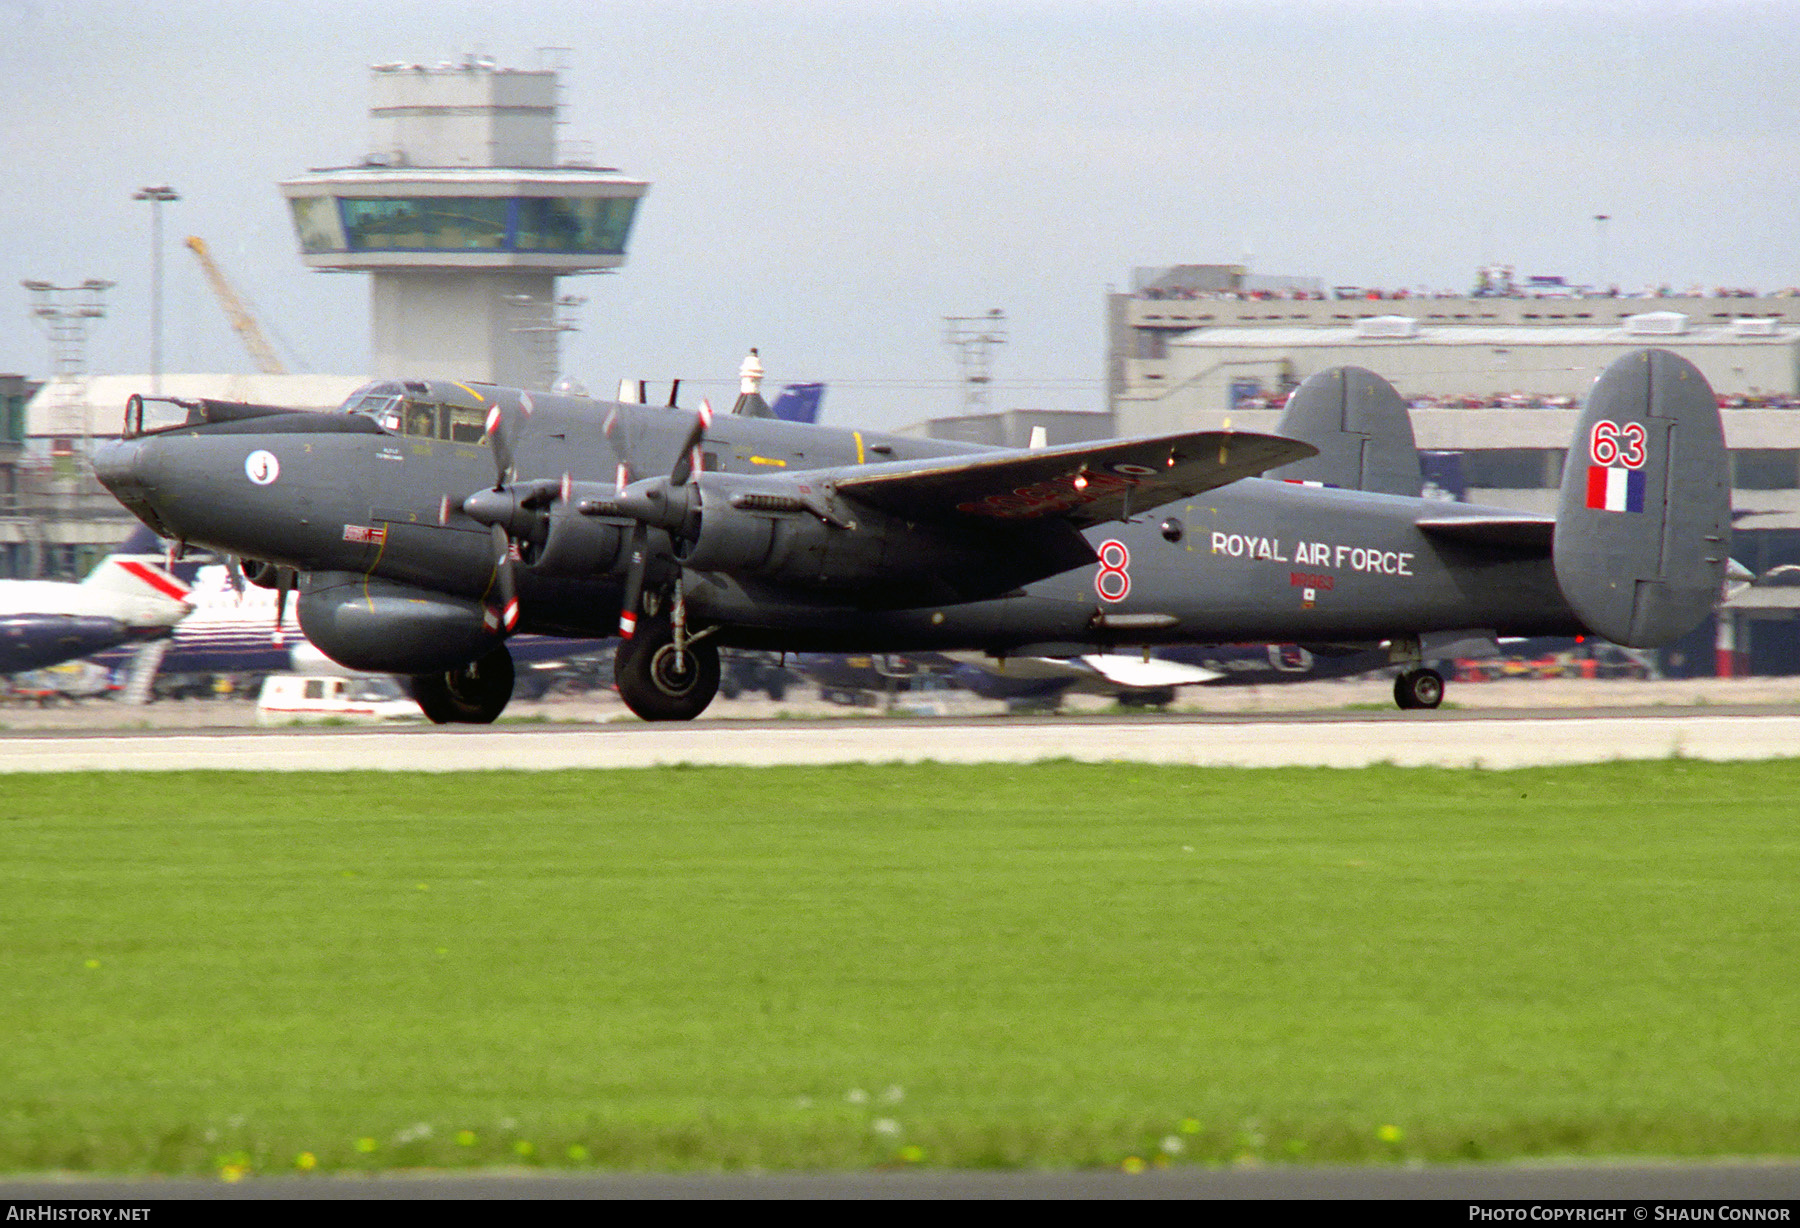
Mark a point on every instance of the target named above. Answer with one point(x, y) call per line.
point(320, 229)
point(557, 224)
point(426, 223)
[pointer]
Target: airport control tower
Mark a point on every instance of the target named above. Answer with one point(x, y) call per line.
point(465, 218)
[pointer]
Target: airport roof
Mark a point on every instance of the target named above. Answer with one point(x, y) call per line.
point(1474, 334)
point(497, 177)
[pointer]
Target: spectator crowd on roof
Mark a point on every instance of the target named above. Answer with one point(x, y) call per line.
point(1520, 400)
point(1547, 289)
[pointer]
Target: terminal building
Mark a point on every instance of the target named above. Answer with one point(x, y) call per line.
point(1495, 379)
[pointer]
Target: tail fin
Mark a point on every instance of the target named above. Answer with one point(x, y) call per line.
point(1361, 428)
point(136, 576)
point(799, 403)
point(1643, 530)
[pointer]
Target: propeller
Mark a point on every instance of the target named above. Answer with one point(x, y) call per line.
point(665, 503)
point(513, 513)
point(517, 513)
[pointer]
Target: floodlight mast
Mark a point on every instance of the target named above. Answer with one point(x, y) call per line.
point(975, 338)
point(158, 197)
point(63, 312)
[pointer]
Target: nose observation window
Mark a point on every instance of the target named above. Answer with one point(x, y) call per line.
point(1172, 530)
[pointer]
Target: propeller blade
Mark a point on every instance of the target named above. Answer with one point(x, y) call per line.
point(634, 580)
point(674, 391)
point(501, 437)
point(503, 575)
point(689, 458)
point(281, 595)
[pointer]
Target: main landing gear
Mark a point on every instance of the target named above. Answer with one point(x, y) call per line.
point(1419, 688)
point(661, 679)
point(476, 694)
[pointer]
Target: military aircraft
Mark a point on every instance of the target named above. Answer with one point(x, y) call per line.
point(427, 522)
point(122, 600)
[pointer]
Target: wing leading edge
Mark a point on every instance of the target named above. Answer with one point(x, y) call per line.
point(1082, 484)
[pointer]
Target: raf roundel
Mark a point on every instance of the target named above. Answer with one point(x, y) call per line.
point(261, 467)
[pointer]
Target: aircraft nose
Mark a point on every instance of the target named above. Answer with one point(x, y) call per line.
point(117, 461)
point(126, 467)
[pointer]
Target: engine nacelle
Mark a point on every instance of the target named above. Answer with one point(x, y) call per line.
point(768, 529)
point(378, 625)
point(261, 573)
point(577, 545)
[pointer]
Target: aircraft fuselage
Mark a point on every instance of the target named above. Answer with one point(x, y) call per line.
point(1256, 560)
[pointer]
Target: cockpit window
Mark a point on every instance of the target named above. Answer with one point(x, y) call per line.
point(407, 413)
point(463, 425)
point(420, 419)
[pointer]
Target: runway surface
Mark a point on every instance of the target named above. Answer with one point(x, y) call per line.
point(1445, 739)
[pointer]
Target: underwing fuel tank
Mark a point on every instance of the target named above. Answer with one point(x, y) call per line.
point(1643, 527)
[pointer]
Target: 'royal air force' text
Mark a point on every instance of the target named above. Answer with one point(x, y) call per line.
point(1315, 554)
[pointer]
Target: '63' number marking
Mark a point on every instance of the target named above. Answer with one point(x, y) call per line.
point(1611, 444)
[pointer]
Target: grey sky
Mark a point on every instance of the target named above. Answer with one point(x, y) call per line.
point(830, 179)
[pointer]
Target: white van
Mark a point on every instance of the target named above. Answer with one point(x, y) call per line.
point(288, 698)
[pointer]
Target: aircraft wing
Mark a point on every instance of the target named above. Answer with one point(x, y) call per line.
point(1083, 484)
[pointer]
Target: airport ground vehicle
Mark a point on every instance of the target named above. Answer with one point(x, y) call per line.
point(296, 698)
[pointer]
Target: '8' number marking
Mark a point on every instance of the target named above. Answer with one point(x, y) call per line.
point(1113, 580)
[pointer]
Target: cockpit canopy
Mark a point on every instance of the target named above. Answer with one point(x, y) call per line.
point(421, 410)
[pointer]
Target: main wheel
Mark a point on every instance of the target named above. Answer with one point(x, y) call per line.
point(1419, 688)
point(661, 684)
point(476, 694)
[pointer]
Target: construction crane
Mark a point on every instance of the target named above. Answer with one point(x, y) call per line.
point(242, 322)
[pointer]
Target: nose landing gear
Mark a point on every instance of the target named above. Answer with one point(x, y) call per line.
point(476, 694)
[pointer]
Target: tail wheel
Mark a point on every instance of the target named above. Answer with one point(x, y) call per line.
point(661, 683)
point(476, 694)
point(1419, 688)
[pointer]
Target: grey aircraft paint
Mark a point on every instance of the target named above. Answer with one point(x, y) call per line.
point(417, 535)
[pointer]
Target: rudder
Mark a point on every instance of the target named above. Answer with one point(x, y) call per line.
point(1643, 526)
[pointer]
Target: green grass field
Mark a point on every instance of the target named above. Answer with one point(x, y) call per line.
point(1055, 965)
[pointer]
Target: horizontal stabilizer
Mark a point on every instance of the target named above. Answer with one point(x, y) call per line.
point(1524, 533)
point(1082, 484)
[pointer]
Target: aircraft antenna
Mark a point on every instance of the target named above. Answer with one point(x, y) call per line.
point(975, 338)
